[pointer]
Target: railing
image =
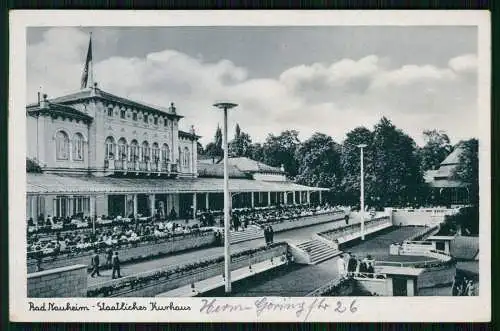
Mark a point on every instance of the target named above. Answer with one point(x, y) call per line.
point(73, 251)
point(328, 287)
point(367, 275)
point(414, 264)
point(353, 228)
point(173, 167)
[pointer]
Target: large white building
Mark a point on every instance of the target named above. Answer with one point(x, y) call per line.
point(101, 154)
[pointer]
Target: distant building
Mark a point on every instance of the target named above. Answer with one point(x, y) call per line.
point(445, 189)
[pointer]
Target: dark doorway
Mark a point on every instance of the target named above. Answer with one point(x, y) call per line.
point(116, 205)
point(399, 287)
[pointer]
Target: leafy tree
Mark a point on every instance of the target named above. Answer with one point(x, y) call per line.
point(240, 145)
point(280, 150)
point(319, 162)
point(396, 167)
point(350, 164)
point(214, 149)
point(200, 149)
point(437, 147)
point(467, 170)
point(256, 152)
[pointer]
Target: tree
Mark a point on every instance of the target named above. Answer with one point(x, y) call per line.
point(398, 179)
point(256, 152)
point(280, 150)
point(350, 164)
point(240, 145)
point(437, 147)
point(214, 149)
point(319, 162)
point(467, 170)
point(199, 148)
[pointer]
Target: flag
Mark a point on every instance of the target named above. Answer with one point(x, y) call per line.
point(85, 74)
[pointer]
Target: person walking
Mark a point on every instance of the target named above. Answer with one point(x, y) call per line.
point(341, 266)
point(271, 234)
point(266, 234)
point(109, 257)
point(352, 264)
point(95, 265)
point(116, 266)
point(455, 287)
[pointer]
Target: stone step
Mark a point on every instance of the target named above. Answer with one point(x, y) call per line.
point(318, 251)
point(248, 234)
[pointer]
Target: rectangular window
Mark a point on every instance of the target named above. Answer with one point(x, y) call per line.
point(122, 113)
point(110, 112)
point(156, 120)
point(134, 116)
point(165, 122)
point(145, 118)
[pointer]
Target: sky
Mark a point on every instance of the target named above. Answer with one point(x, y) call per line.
point(327, 79)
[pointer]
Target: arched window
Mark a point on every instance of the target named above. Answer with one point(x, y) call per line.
point(134, 150)
point(122, 149)
point(186, 157)
point(165, 153)
point(62, 145)
point(145, 118)
point(110, 148)
point(78, 147)
point(122, 113)
point(156, 153)
point(110, 111)
point(145, 151)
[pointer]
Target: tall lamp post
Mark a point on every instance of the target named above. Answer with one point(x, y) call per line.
point(227, 254)
point(362, 189)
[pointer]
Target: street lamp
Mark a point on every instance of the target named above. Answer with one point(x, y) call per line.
point(227, 254)
point(362, 189)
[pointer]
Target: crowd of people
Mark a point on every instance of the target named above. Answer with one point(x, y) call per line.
point(263, 215)
point(76, 241)
point(349, 265)
point(463, 287)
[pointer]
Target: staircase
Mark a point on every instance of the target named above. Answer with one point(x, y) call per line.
point(318, 251)
point(250, 233)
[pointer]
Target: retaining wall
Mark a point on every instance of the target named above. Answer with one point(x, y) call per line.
point(70, 281)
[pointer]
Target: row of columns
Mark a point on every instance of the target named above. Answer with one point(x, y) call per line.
point(32, 201)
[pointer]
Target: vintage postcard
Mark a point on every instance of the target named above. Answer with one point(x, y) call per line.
point(249, 166)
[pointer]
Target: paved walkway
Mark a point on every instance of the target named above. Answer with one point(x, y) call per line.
point(217, 281)
point(300, 280)
point(294, 236)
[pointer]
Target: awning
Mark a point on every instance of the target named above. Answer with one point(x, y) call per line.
point(58, 184)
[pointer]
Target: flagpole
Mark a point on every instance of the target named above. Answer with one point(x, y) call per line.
point(91, 66)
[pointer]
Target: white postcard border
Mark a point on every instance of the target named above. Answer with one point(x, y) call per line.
point(420, 309)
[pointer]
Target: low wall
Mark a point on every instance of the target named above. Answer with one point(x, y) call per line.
point(173, 245)
point(422, 217)
point(436, 276)
point(63, 282)
point(378, 287)
point(180, 276)
point(337, 287)
point(308, 221)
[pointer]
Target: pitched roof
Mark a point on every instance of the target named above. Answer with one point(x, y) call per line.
point(87, 93)
point(216, 170)
point(246, 164)
point(60, 110)
point(59, 184)
point(454, 157)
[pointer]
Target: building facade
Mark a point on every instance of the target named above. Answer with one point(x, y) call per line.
point(103, 155)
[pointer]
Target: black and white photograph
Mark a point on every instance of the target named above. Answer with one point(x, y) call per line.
point(187, 165)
